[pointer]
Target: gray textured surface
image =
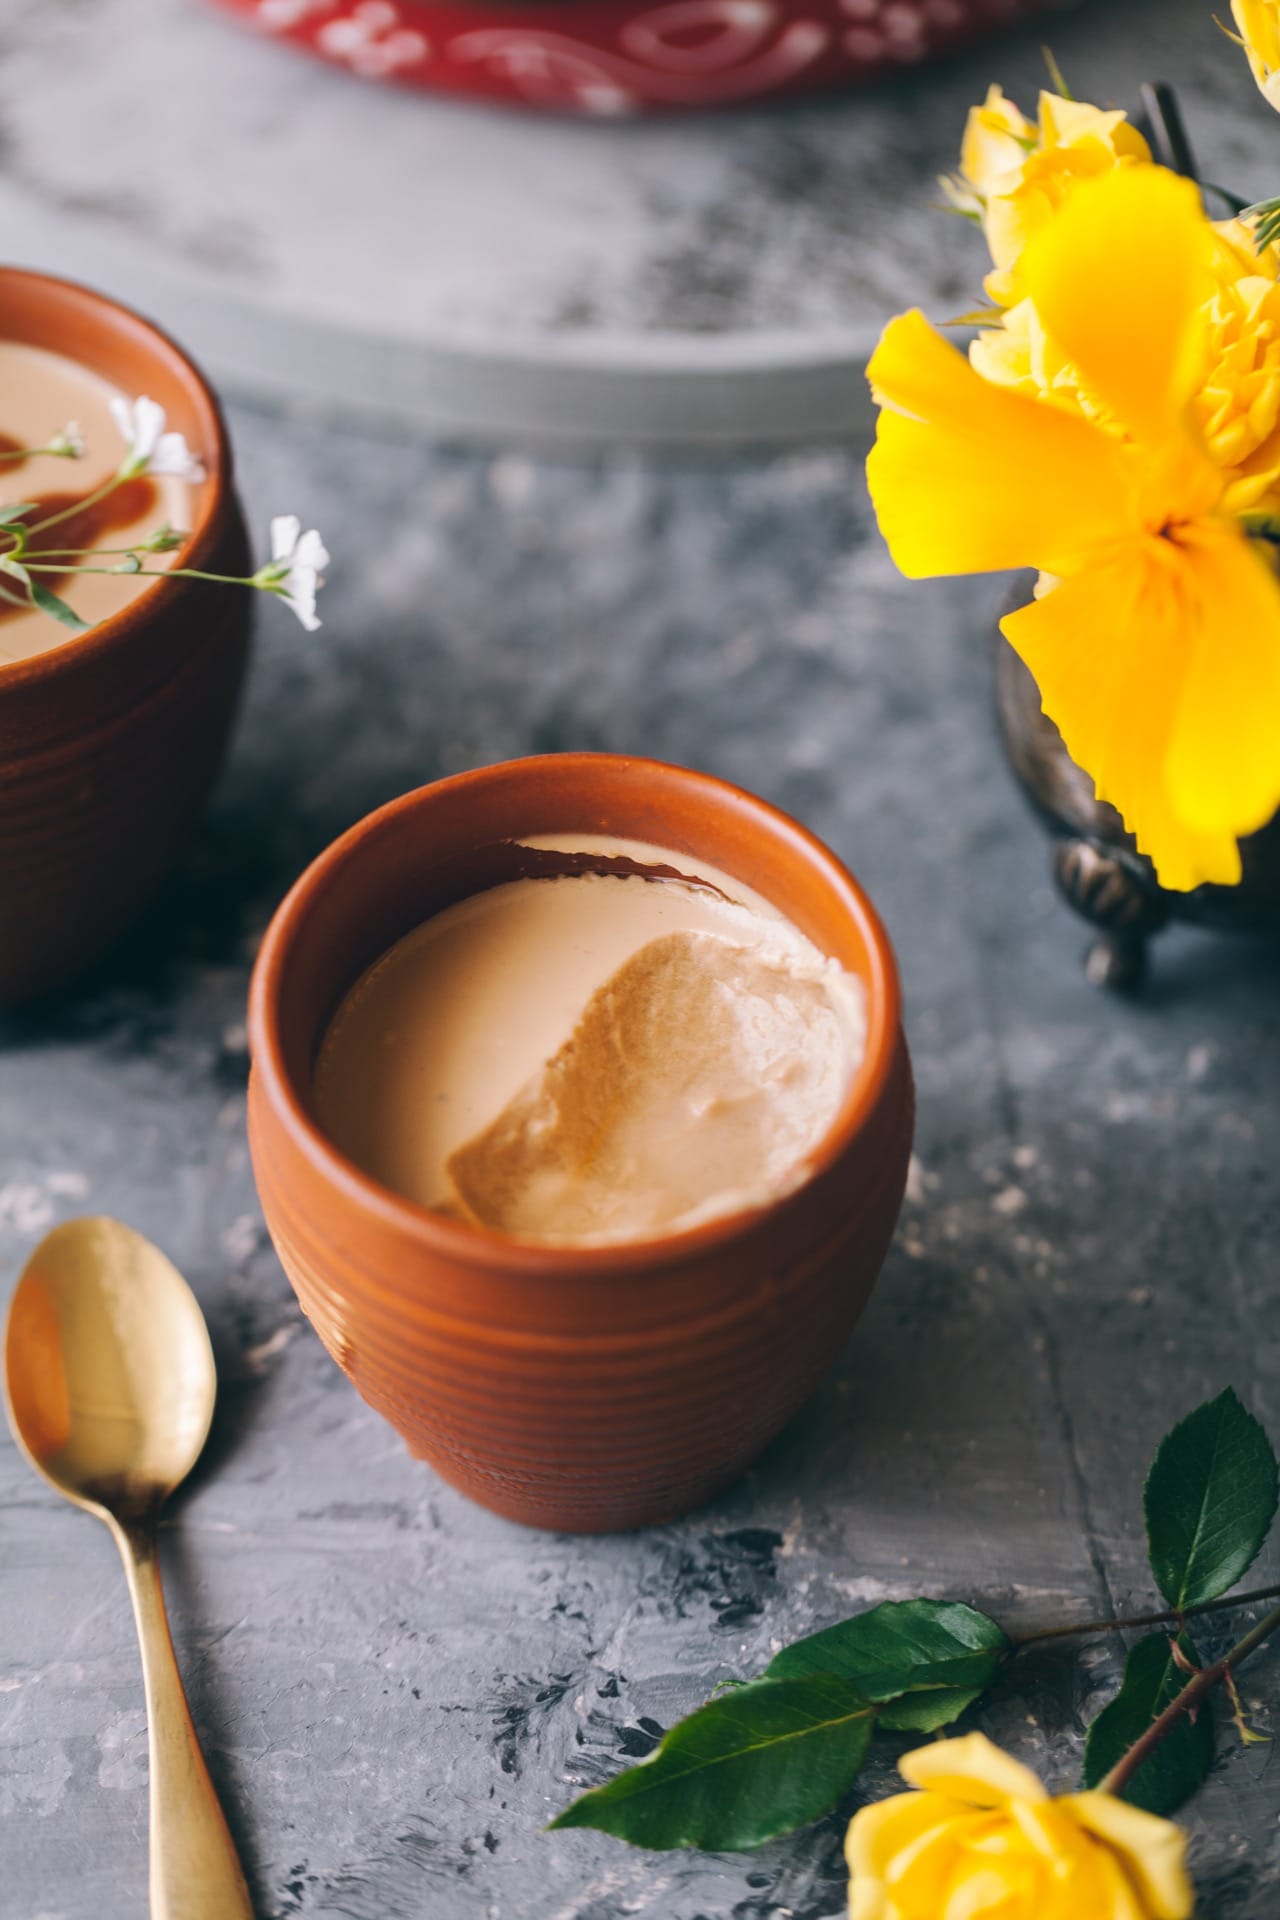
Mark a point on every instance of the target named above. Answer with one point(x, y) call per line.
point(721, 277)
point(395, 1689)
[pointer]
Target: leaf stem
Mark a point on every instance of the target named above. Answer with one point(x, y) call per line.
point(1167, 1615)
point(1194, 1691)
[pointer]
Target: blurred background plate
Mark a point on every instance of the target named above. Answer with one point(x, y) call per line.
point(608, 57)
point(697, 280)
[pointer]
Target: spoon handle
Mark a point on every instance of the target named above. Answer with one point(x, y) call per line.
point(195, 1871)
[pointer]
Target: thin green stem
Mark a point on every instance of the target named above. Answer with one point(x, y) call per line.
point(1167, 1615)
point(149, 573)
point(78, 506)
point(1055, 73)
point(1185, 1702)
point(87, 553)
point(36, 453)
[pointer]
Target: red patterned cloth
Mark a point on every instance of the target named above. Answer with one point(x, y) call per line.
point(612, 57)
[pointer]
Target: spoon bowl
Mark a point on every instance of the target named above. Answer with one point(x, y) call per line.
point(110, 1386)
point(108, 1368)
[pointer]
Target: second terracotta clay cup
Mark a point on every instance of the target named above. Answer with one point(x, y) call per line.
point(110, 741)
point(575, 1388)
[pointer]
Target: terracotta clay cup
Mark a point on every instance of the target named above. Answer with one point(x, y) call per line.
point(110, 741)
point(586, 1389)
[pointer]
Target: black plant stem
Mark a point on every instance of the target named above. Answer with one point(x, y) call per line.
point(1169, 139)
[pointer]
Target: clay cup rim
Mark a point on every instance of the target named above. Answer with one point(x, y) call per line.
point(111, 339)
point(473, 1244)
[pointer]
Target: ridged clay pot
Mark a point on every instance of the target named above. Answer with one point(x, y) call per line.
point(109, 742)
point(587, 1389)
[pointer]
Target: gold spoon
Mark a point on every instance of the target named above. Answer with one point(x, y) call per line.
point(110, 1385)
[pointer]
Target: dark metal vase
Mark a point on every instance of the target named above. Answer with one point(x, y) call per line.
point(1096, 865)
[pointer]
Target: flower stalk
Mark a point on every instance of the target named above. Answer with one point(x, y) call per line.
point(1187, 1701)
point(1167, 1616)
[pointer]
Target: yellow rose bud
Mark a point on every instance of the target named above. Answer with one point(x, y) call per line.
point(997, 140)
point(1259, 24)
point(981, 1837)
point(1016, 174)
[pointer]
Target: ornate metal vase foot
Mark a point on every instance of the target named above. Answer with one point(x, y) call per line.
point(1103, 889)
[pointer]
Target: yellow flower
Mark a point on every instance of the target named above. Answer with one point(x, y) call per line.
point(982, 1840)
point(1259, 24)
point(1237, 405)
point(997, 140)
point(1016, 174)
point(1155, 637)
point(1235, 402)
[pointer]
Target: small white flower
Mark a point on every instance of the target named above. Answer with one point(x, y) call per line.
point(149, 448)
point(296, 567)
point(69, 444)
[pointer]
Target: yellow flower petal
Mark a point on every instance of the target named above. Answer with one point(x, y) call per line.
point(1109, 651)
point(1017, 174)
point(869, 1901)
point(1236, 402)
point(1224, 755)
point(972, 1769)
point(989, 1893)
point(1259, 24)
point(1151, 1849)
point(1118, 278)
point(994, 141)
point(919, 1875)
point(971, 478)
point(1066, 123)
point(1047, 1831)
point(877, 1831)
point(1119, 1898)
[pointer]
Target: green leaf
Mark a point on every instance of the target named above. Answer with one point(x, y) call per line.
point(1210, 1499)
point(15, 510)
point(749, 1765)
point(58, 609)
point(927, 1711)
point(901, 1646)
point(1180, 1764)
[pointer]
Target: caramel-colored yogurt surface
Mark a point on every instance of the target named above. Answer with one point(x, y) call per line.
point(594, 1057)
point(40, 394)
